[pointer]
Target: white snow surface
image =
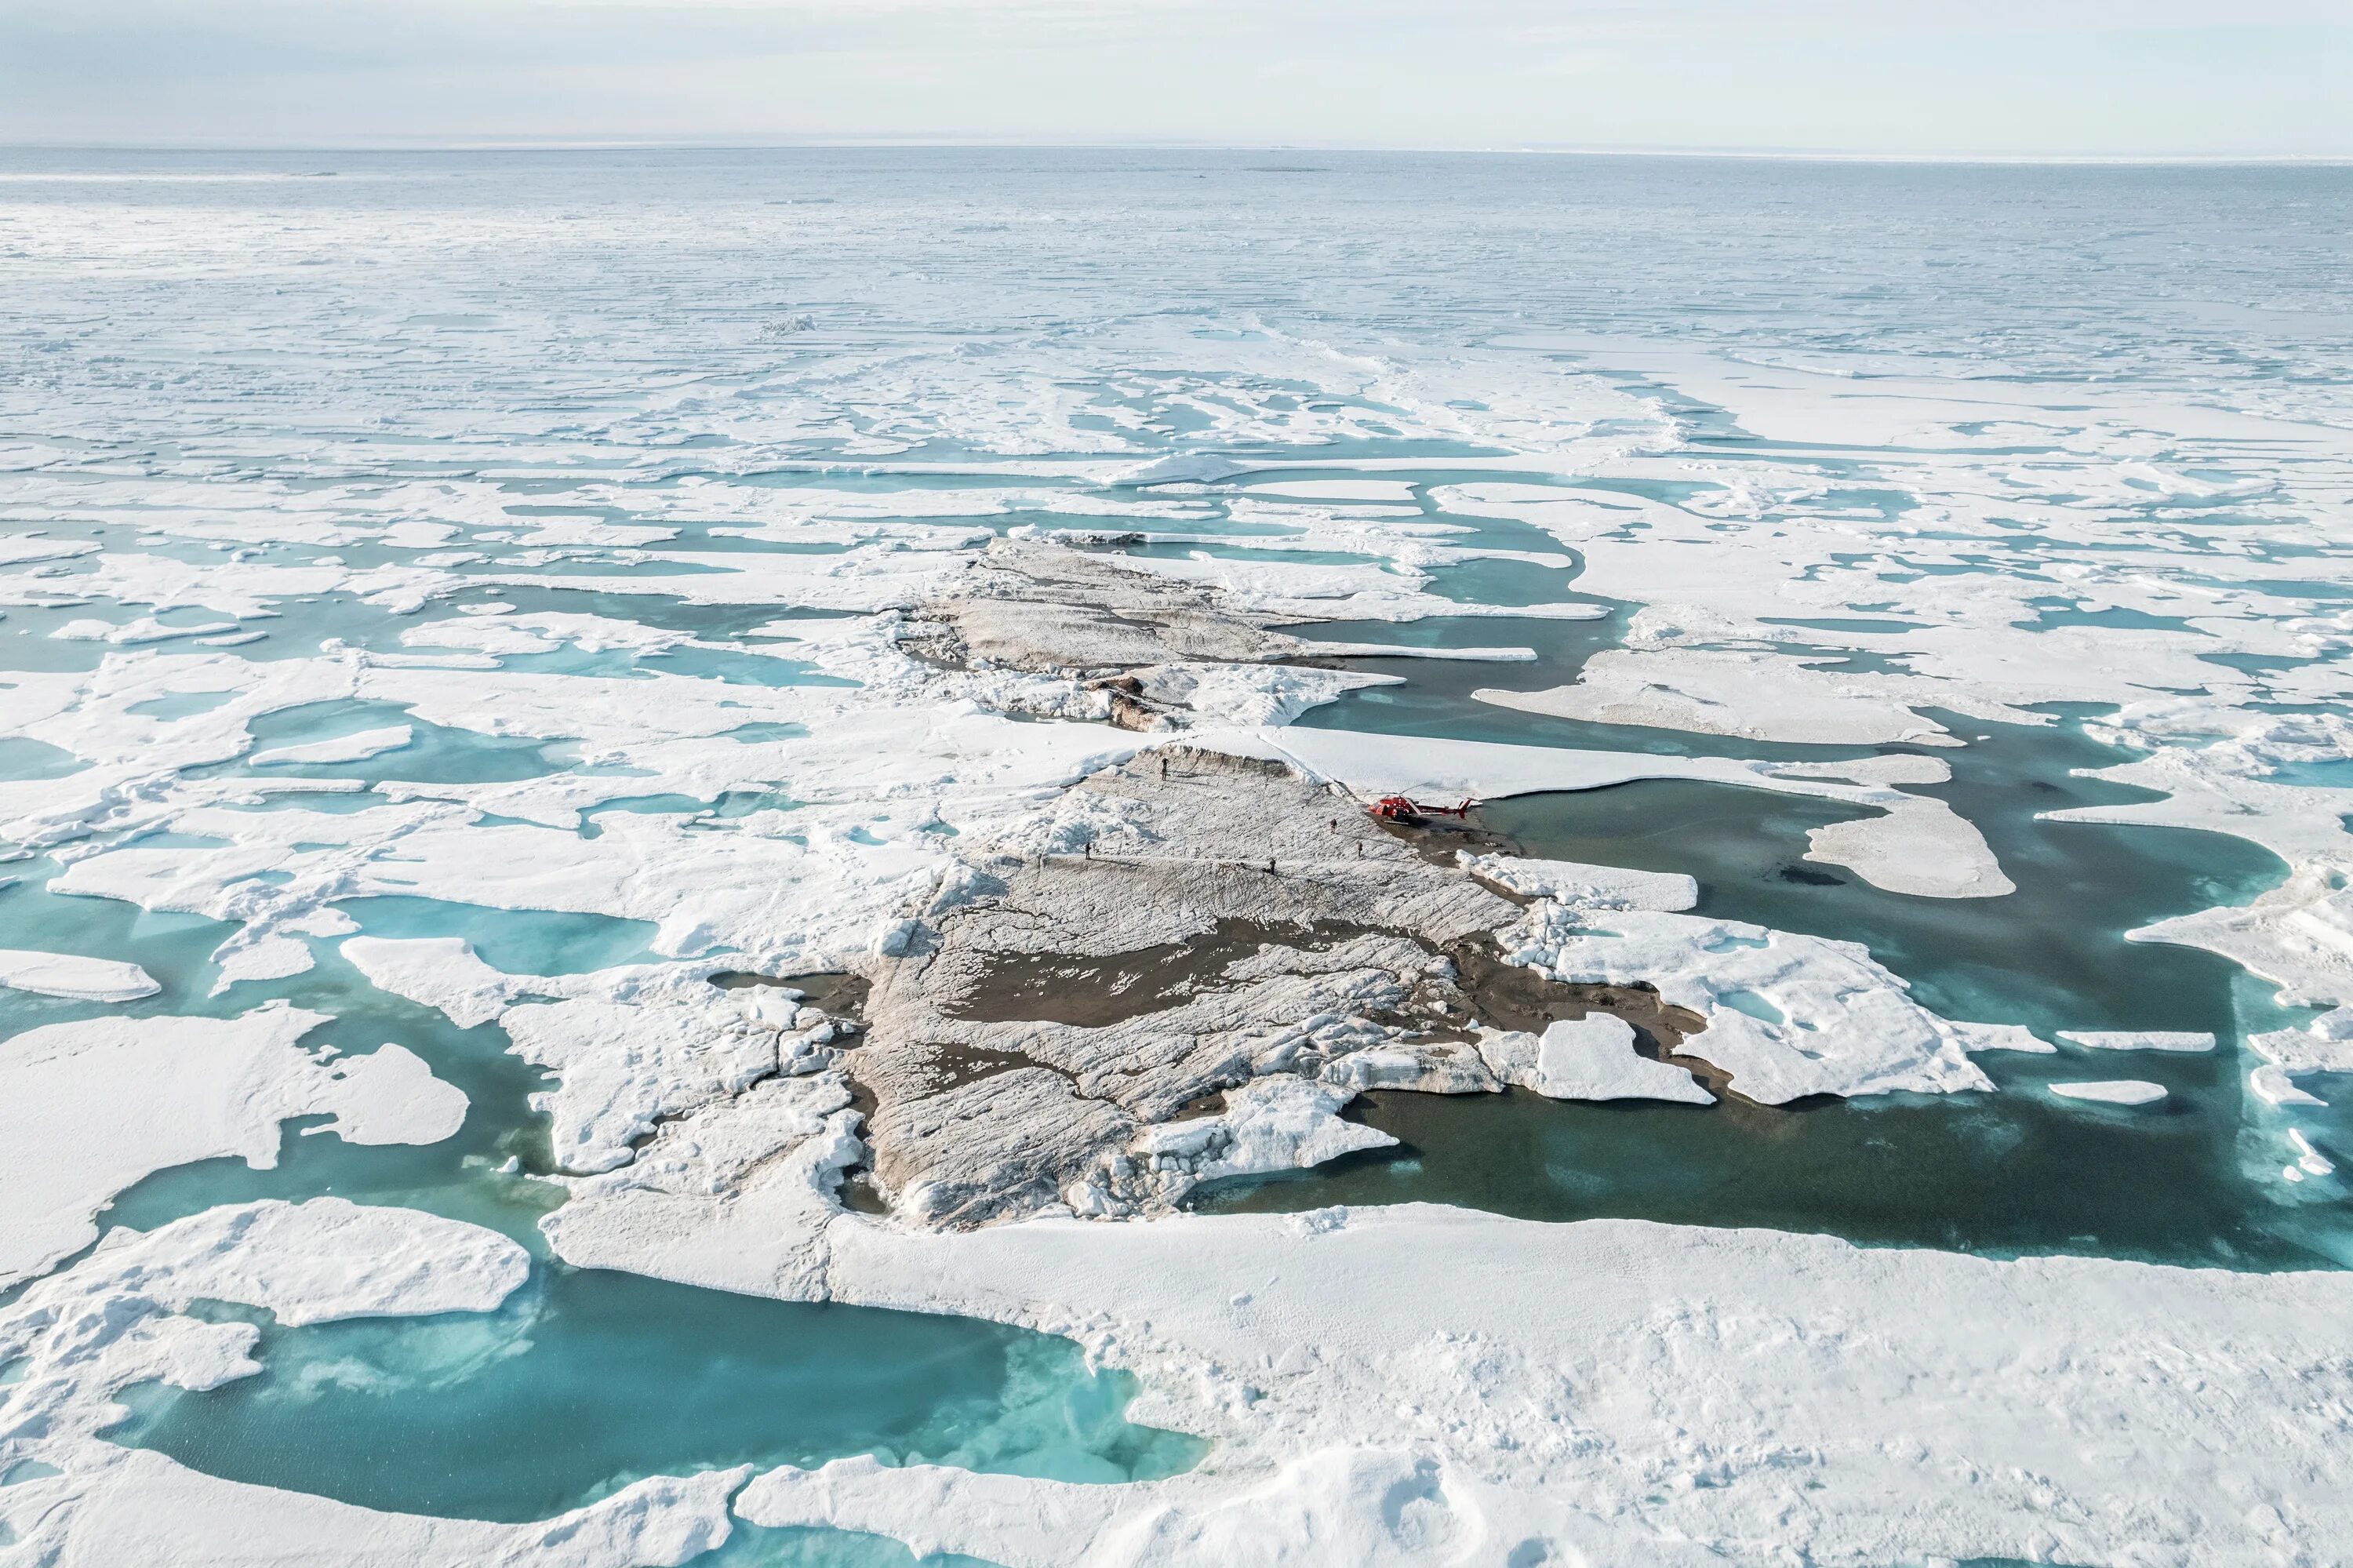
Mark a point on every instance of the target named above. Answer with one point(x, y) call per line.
point(75, 977)
point(2113, 1091)
point(1421, 1384)
point(1590, 1058)
point(354, 747)
point(1763, 696)
point(2138, 1039)
point(1787, 1015)
point(2325, 1045)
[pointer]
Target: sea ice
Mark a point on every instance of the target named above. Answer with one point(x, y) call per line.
point(1764, 697)
point(1412, 1380)
point(1590, 1058)
point(75, 977)
point(87, 1107)
point(355, 747)
point(2113, 1091)
point(2137, 1039)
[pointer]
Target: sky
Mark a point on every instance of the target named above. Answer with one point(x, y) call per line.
point(2011, 78)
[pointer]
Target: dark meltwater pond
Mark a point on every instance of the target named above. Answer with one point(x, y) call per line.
point(2194, 1180)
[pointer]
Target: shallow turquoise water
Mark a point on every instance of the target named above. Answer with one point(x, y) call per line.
point(518, 941)
point(586, 1380)
point(589, 1379)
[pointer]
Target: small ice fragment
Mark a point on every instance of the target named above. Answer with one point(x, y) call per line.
point(2113, 1091)
point(356, 747)
point(2273, 1087)
point(2137, 1039)
point(75, 978)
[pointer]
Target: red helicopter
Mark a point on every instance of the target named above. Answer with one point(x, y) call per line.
point(1399, 808)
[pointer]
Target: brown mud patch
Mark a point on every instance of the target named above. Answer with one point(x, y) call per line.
point(1093, 992)
point(836, 991)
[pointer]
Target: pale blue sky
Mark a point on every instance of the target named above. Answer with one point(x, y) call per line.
point(2004, 76)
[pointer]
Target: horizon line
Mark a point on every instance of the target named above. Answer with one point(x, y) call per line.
point(934, 142)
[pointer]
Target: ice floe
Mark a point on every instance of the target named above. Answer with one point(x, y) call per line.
point(1590, 1058)
point(2138, 1039)
point(73, 976)
point(91, 1107)
point(355, 747)
point(1396, 1380)
point(2112, 1091)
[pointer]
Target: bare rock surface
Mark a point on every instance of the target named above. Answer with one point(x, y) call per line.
point(1152, 640)
point(1223, 922)
point(1032, 605)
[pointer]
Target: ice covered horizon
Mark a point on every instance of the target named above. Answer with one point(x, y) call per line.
point(688, 875)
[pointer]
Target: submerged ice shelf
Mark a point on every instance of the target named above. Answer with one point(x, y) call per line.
point(427, 751)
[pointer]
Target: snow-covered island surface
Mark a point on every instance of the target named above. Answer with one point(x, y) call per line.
point(869, 797)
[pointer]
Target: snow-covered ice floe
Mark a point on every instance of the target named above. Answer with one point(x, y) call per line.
point(75, 977)
point(2113, 1091)
point(2138, 1039)
point(88, 1107)
point(1420, 1383)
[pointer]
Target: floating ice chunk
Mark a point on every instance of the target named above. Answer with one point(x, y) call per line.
point(2137, 1039)
point(75, 977)
point(1763, 696)
point(1889, 768)
point(1185, 467)
point(1590, 1058)
point(88, 1107)
point(25, 549)
point(305, 1263)
point(2113, 1091)
point(1787, 1015)
point(2273, 1086)
point(1919, 845)
point(1282, 1122)
point(441, 972)
point(2325, 1045)
point(251, 956)
point(1975, 1037)
point(389, 1095)
point(2308, 1160)
point(356, 747)
point(146, 628)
